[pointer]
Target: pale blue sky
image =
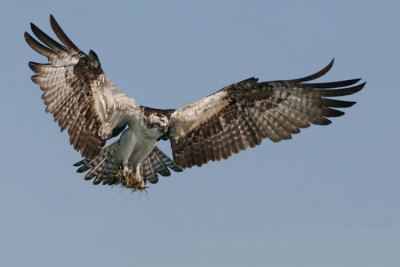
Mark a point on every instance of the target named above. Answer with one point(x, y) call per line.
point(328, 197)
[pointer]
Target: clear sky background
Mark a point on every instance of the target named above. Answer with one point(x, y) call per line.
point(328, 197)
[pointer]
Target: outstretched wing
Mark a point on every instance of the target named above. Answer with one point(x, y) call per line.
point(242, 114)
point(77, 92)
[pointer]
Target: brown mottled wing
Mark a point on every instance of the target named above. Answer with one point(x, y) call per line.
point(241, 115)
point(76, 91)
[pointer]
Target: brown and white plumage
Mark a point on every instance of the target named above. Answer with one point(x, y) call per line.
point(77, 92)
point(88, 104)
point(242, 114)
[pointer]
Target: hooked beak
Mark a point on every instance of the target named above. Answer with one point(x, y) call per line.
point(165, 131)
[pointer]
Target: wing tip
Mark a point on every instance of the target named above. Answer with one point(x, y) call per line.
point(317, 74)
point(361, 86)
point(32, 65)
point(27, 36)
point(349, 104)
point(53, 21)
point(61, 35)
point(34, 27)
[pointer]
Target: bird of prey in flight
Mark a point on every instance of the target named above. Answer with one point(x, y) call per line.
point(83, 100)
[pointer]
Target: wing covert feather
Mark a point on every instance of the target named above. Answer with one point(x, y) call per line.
point(243, 114)
point(76, 91)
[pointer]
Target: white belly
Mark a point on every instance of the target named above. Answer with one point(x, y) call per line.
point(135, 147)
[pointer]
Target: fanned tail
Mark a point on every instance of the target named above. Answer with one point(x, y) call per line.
point(157, 163)
point(106, 169)
point(103, 167)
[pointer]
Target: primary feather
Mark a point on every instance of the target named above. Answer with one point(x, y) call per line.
point(85, 102)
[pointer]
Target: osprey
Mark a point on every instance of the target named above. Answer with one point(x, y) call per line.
point(88, 104)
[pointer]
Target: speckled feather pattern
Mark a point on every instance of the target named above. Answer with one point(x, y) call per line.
point(105, 165)
point(88, 104)
point(77, 93)
point(252, 112)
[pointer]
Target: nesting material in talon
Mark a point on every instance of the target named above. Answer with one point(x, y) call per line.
point(130, 179)
point(86, 103)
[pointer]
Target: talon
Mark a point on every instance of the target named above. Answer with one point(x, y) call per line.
point(130, 179)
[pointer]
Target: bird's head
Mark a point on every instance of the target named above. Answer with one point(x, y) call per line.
point(157, 124)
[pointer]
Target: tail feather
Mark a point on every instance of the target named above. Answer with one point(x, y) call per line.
point(106, 169)
point(166, 160)
point(103, 167)
point(97, 170)
point(147, 170)
point(160, 166)
point(157, 163)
